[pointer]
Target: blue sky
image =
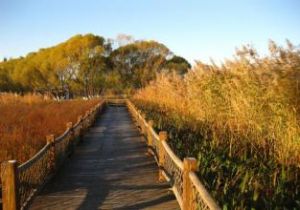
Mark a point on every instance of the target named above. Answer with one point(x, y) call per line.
point(194, 29)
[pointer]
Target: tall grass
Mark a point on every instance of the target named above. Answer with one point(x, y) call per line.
point(25, 122)
point(241, 119)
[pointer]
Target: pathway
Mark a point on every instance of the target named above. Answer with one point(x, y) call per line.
point(109, 170)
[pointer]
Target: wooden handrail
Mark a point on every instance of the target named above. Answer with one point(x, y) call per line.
point(203, 192)
point(161, 155)
point(188, 167)
point(24, 166)
point(175, 158)
point(10, 195)
point(51, 141)
point(154, 134)
point(62, 136)
point(10, 171)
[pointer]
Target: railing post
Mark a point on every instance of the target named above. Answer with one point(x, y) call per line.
point(149, 136)
point(80, 135)
point(189, 165)
point(10, 194)
point(91, 117)
point(99, 108)
point(88, 114)
point(143, 127)
point(52, 160)
point(162, 137)
point(137, 118)
point(69, 125)
point(71, 142)
point(84, 122)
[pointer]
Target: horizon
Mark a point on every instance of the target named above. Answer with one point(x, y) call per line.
point(193, 30)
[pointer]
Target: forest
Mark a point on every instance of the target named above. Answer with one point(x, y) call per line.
point(87, 65)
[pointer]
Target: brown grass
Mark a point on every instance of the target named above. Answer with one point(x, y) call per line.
point(25, 122)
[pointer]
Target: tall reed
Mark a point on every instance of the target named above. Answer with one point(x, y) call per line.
point(241, 119)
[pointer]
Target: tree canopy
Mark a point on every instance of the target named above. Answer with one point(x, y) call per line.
point(88, 65)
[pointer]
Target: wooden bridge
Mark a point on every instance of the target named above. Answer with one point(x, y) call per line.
point(119, 163)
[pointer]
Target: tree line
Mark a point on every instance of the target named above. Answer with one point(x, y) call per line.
point(89, 64)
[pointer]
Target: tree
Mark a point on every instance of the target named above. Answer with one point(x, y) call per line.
point(138, 63)
point(177, 64)
point(88, 65)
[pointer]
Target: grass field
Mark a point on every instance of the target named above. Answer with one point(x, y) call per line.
point(25, 122)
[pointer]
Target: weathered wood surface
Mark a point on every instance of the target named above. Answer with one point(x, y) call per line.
point(109, 170)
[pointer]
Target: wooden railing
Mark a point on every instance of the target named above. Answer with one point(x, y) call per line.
point(188, 190)
point(21, 182)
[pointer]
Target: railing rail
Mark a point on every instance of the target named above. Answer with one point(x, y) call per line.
point(34, 159)
point(21, 183)
point(188, 189)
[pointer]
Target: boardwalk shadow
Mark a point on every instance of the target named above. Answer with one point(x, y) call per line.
point(148, 203)
point(95, 202)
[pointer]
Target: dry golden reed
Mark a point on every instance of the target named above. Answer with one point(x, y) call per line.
point(25, 122)
point(241, 120)
point(249, 103)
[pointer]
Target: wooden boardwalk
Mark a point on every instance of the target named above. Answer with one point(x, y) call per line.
point(109, 170)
